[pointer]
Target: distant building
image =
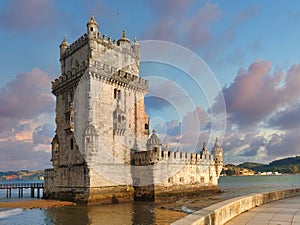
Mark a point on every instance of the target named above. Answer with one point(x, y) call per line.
point(102, 151)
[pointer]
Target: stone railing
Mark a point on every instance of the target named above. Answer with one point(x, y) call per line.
point(147, 157)
point(222, 212)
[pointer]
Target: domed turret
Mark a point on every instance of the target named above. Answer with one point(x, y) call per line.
point(123, 40)
point(92, 26)
point(153, 141)
point(63, 46)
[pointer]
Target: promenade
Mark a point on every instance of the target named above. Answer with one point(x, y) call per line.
point(274, 208)
point(283, 212)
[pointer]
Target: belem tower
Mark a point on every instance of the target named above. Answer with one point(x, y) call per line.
point(102, 151)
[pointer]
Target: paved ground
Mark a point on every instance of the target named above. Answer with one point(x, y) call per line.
point(281, 212)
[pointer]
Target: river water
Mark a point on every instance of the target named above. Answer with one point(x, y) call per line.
point(139, 212)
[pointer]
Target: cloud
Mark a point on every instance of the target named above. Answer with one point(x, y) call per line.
point(21, 155)
point(284, 145)
point(286, 119)
point(19, 15)
point(222, 41)
point(175, 22)
point(263, 114)
point(26, 121)
point(188, 134)
point(191, 23)
point(255, 94)
point(43, 134)
point(27, 96)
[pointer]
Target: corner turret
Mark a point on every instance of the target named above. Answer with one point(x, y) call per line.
point(92, 27)
point(63, 46)
point(217, 152)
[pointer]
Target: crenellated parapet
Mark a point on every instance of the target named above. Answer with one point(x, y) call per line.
point(83, 40)
point(60, 83)
point(107, 74)
point(155, 156)
point(131, 48)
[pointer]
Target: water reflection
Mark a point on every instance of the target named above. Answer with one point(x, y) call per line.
point(138, 213)
point(125, 213)
point(75, 215)
point(143, 213)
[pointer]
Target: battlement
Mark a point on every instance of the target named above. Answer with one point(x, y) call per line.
point(155, 155)
point(130, 48)
point(83, 40)
point(107, 73)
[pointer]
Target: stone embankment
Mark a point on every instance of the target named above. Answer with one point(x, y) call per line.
point(222, 212)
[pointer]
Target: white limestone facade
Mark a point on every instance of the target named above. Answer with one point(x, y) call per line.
point(100, 118)
point(101, 151)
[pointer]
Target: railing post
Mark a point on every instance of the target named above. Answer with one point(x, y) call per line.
point(32, 192)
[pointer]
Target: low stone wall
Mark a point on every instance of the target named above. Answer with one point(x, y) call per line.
point(222, 212)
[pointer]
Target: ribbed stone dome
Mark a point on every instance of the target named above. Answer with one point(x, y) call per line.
point(153, 139)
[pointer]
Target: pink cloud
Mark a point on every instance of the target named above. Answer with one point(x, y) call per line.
point(27, 96)
point(259, 98)
point(255, 94)
point(26, 123)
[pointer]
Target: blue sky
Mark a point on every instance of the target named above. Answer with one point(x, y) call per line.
point(252, 47)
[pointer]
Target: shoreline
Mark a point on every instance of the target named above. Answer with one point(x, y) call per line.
point(194, 203)
point(34, 204)
point(187, 204)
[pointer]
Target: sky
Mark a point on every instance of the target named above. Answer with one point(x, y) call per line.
point(252, 48)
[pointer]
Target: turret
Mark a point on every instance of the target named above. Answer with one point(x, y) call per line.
point(204, 151)
point(92, 27)
point(153, 141)
point(217, 152)
point(136, 46)
point(123, 40)
point(216, 147)
point(63, 46)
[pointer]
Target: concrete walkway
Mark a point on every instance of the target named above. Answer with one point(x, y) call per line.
point(281, 212)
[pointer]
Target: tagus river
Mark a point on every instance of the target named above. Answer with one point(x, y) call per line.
point(139, 213)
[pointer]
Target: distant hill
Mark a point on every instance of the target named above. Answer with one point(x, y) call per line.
point(250, 165)
point(232, 170)
point(286, 165)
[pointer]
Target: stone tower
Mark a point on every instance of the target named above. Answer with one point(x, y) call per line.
point(100, 119)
